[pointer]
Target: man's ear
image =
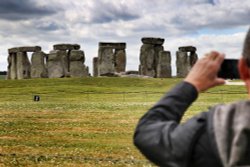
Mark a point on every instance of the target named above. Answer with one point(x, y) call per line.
point(244, 70)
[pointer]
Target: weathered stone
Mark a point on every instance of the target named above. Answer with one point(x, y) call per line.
point(105, 60)
point(78, 69)
point(25, 49)
point(120, 61)
point(187, 49)
point(9, 59)
point(153, 41)
point(55, 65)
point(158, 49)
point(77, 55)
point(164, 65)
point(65, 62)
point(22, 66)
point(147, 60)
point(66, 47)
point(182, 64)
point(193, 58)
point(95, 66)
point(38, 68)
point(120, 46)
point(12, 67)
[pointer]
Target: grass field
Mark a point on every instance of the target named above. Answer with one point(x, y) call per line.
point(83, 122)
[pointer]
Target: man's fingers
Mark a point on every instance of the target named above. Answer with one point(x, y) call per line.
point(213, 55)
point(220, 81)
point(221, 58)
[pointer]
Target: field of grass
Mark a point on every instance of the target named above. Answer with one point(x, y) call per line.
point(83, 122)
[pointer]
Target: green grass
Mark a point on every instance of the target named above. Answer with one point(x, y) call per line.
point(84, 122)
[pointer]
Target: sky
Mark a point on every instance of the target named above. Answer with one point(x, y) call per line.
point(206, 24)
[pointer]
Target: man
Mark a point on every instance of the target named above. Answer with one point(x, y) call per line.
point(217, 138)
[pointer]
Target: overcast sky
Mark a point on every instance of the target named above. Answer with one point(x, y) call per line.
point(207, 24)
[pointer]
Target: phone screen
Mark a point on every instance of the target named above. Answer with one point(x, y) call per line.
point(229, 69)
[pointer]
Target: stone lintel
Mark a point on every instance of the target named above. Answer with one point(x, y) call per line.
point(66, 47)
point(152, 41)
point(187, 49)
point(25, 49)
point(115, 45)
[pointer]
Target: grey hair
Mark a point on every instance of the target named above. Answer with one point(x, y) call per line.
point(246, 49)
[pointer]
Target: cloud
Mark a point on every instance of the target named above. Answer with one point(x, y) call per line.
point(22, 9)
point(206, 24)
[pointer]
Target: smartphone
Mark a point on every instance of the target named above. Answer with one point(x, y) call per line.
point(229, 69)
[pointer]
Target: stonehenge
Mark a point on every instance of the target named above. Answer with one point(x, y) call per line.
point(66, 60)
point(111, 59)
point(154, 61)
point(185, 58)
point(19, 66)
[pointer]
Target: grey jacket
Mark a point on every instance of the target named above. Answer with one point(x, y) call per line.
point(217, 138)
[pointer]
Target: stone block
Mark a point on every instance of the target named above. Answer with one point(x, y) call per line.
point(25, 49)
point(182, 64)
point(77, 55)
point(56, 64)
point(38, 68)
point(105, 60)
point(147, 60)
point(193, 58)
point(66, 47)
point(12, 66)
point(187, 49)
point(119, 46)
point(78, 69)
point(120, 61)
point(164, 65)
point(55, 69)
point(95, 66)
point(153, 41)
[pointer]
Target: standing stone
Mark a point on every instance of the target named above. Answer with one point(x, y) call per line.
point(106, 61)
point(164, 65)
point(182, 64)
point(55, 65)
point(185, 59)
point(120, 61)
point(77, 67)
point(12, 70)
point(158, 49)
point(8, 67)
point(23, 66)
point(149, 56)
point(147, 60)
point(38, 68)
point(65, 62)
point(111, 58)
point(193, 58)
point(95, 66)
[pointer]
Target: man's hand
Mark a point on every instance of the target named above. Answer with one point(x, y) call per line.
point(203, 75)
